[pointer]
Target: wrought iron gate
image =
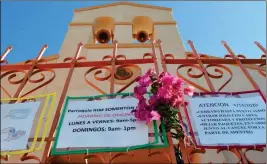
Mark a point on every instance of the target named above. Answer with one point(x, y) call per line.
point(115, 68)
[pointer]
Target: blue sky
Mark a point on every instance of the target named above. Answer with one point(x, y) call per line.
point(28, 25)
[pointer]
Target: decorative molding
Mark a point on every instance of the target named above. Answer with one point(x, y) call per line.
point(251, 66)
point(121, 23)
point(120, 45)
point(123, 3)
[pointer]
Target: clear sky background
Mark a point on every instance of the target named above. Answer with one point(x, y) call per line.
point(27, 26)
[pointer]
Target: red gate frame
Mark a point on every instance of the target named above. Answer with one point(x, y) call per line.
point(193, 60)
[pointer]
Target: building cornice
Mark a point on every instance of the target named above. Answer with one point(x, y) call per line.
point(121, 23)
point(122, 3)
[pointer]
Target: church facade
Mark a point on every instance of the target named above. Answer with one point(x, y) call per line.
point(104, 51)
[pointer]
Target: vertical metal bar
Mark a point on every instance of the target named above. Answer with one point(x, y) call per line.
point(60, 104)
point(154, 56)
point(182, 146)
point(261, 47)
point(242, 67)
point(29, 73)
point(6, 52)
point(206, 76)
point(162, 57)
point(244, 70)
point(113, 65)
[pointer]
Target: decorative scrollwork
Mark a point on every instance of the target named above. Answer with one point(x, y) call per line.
point(41, 79)
point(220, 73)
point(4, 157)
point(118, 155)
point(190, 56)
point(262, 67)
point(98, 71)
point(99, 158)
point(162, 154)
point(11, 78)
point(168, 56)
point(190, 74)
point(218, 69)
point(203, 56)
point(252, 149)
point(30, 157)
point(192, 151)
point(234, 151)
point(123, 74)
point(240, 56)
point(148, 55)
point(71, 59)
point(227, 56)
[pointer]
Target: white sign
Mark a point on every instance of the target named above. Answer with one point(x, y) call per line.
point(229, 121)
point(16, 124)
point(102, 123)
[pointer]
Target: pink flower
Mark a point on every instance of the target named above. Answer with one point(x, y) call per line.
point(166, 79)
point(189, 90)
point(142, 104)
point(138, 78)
point(153, 99)
point(140, 115)
point(145, 81)
point(152, 115)
point(139, 91)
point(150, 72)
point(164, 93)
point(177, 83)
point(155, 115)
point(176, 101)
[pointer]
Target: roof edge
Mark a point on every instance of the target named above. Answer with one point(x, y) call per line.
point(122, 3)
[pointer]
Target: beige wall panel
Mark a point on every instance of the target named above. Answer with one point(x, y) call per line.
point(123, 33)
point(171, 41)
point(74, 36)
point(129, 12)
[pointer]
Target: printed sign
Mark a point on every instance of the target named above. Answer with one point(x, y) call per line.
point(101, 123)
point(229, 121)
point(16, 124)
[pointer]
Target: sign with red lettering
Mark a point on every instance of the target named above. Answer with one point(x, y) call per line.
point(237, 120)
point(101, 123)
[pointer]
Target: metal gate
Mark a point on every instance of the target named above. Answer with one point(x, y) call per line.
point(48, 73)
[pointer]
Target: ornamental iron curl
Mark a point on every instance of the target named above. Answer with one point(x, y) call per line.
point(119, 155)
point(11, 75)
point(41, 80)
point(262, 67)
point(234, 151)
point(99, 157)
point(104, 73)
point(29, 157)
point(218, 68)
point(252, 149)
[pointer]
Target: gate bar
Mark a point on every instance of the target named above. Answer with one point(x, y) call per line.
point(244, 70)
point(7, 51)
point(46, 152)
point(261, 47)
point(206, 76)
point(29, 73)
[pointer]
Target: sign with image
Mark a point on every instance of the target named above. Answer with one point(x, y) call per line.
point(229, 120)
point(16, 124)
point(101, 123)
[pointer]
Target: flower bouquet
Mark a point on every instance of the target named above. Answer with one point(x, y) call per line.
point(167, 97)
